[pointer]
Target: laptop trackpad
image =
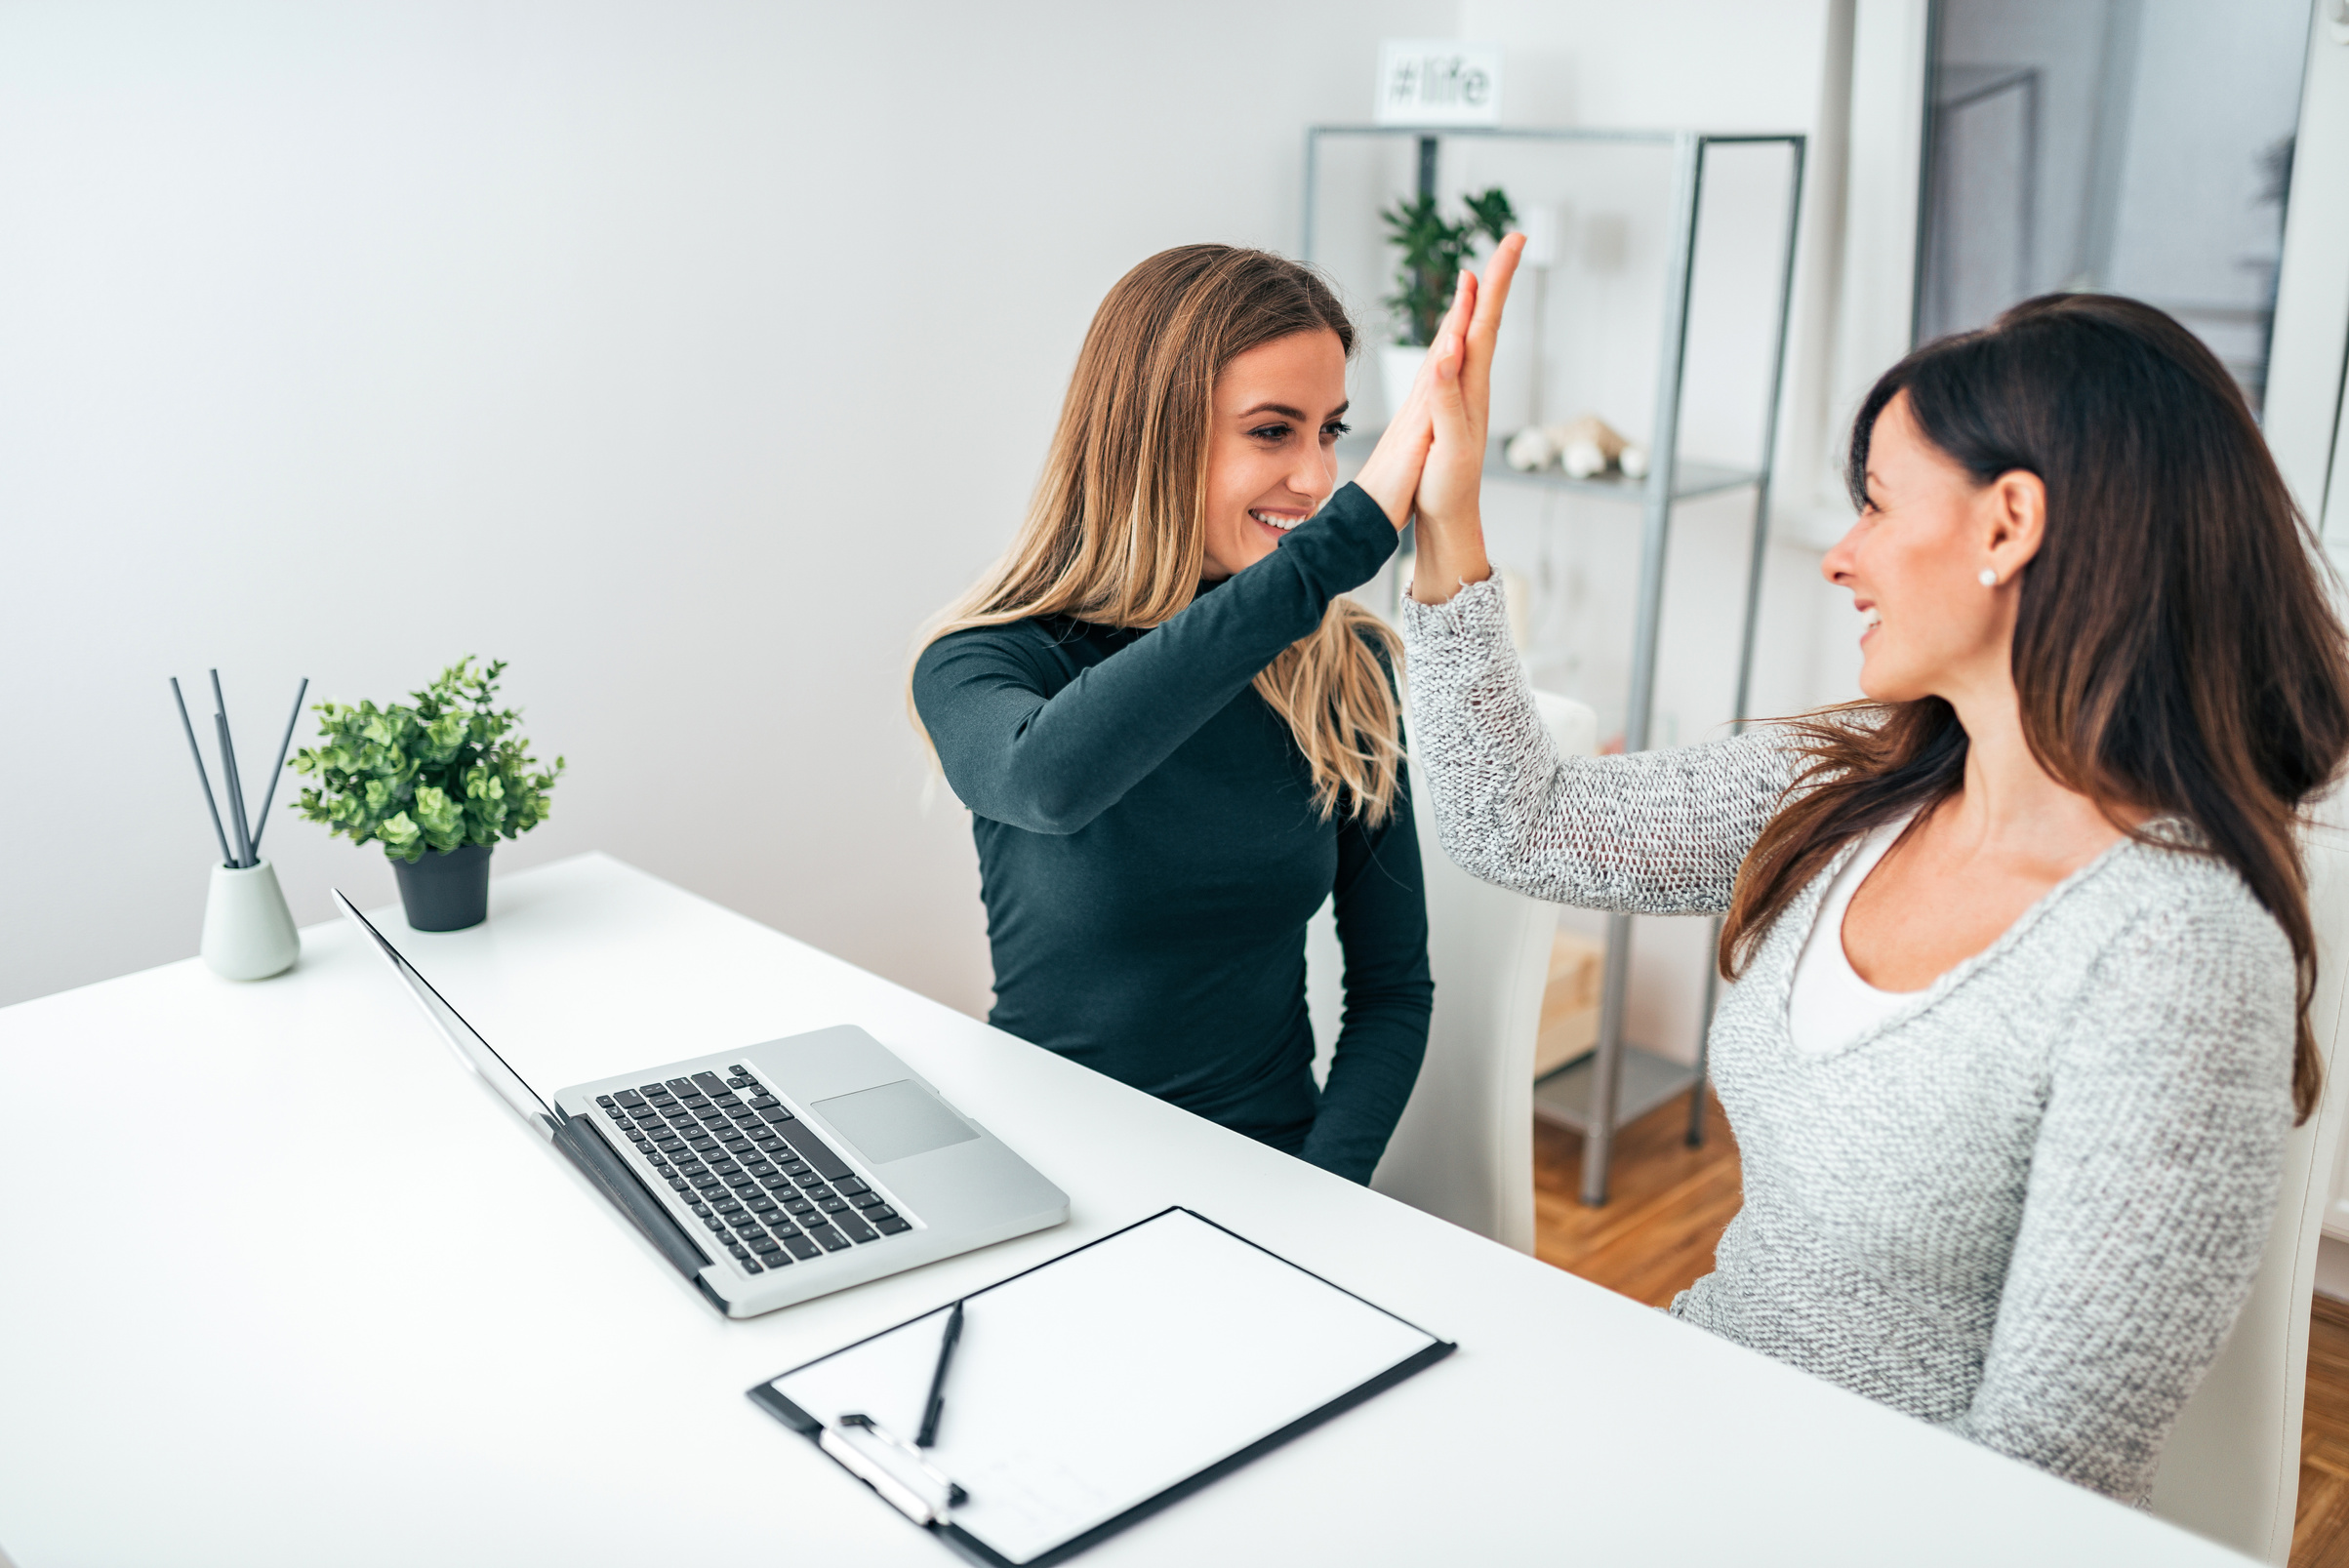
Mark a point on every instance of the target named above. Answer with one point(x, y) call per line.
point(895, 1121)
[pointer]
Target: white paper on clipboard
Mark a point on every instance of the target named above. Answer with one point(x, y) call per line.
point(1089, 1386)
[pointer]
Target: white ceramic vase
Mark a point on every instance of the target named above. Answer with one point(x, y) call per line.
point(1398, 365)
point(248, 930)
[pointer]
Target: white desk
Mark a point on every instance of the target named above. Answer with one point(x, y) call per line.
point(322, 1301)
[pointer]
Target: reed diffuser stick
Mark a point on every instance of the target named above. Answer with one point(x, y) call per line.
point(202, 777)
point(228, 775)
point(261, 824)
point(236, 806)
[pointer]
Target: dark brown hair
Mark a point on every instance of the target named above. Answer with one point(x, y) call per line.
point(2174, 648)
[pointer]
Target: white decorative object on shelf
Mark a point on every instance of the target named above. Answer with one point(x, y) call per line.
point(1585, 448)
point(1530, 450)
point(1398, 367)
point(1542, 226)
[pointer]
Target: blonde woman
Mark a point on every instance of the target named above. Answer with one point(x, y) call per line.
point(1176, 738)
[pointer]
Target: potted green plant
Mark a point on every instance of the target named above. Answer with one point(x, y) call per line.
point(1434, 249)
point(438, 783)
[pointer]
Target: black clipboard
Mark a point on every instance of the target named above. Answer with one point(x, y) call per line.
point(940, 1522)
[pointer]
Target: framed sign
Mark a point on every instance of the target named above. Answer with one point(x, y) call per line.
point(1439, 81)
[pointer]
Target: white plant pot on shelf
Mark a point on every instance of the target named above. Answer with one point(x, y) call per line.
point(1397, 365)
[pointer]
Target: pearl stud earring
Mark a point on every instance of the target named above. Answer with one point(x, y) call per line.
point(1986, 577)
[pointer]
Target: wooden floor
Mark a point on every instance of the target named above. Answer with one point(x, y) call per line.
point(1669, 1203)
point(1666, 1206)
point(2320, 1534)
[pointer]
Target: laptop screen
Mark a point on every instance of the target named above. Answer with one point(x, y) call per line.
point(471, 1049)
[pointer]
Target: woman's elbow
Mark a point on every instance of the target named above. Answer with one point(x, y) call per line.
point(1034, 800)
point(1505, 860)
point(1053, 813)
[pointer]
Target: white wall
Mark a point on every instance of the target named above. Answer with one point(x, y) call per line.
point(684, 353)
point(632, 342)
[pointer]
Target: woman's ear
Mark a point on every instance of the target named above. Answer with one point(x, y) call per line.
point(2016, 503)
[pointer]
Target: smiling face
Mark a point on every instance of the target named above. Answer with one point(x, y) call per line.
point(1914, 560)
point(1271, 442)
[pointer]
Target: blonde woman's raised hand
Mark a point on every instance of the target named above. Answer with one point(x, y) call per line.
point(1451, 525)
point(1391, 477)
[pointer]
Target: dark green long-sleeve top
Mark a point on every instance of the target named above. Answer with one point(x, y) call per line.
point(1150, 854)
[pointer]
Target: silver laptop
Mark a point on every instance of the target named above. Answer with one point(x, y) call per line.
point(776, 1171)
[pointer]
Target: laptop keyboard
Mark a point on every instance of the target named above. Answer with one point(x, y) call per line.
point(769, 1190)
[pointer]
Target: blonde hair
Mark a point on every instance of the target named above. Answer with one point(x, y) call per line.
point(1116, 532)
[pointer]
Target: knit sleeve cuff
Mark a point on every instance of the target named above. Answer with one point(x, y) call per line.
point(1468, 630)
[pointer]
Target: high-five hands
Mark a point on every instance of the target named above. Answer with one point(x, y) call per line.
point(1392, 475)
point(1451, 524)
point(1431, 456)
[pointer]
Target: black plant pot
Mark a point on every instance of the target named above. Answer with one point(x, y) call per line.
point(448, 890)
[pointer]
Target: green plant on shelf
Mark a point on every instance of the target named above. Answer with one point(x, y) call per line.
point(1433, 252)
point(445, 771)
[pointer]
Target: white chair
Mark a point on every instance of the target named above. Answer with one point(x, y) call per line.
point(1464, 1149)
point(2232, 1468)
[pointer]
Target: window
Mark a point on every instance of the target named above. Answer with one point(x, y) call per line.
point(2138, 147)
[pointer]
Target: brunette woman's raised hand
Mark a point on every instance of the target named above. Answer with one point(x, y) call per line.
point(1391, 477)
point(1451, 525)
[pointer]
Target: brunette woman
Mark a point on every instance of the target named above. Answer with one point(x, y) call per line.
point(2023, 942)
point(1176, 738)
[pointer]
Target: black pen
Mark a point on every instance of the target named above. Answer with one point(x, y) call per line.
point(945, 1357)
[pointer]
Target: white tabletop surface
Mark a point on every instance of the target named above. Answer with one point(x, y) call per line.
point(285, 1286)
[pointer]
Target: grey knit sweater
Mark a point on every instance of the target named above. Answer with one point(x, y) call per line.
point(2026, 1206)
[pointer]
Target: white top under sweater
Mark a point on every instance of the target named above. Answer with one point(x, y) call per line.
point(2025, 1205)
point(1828, 1006)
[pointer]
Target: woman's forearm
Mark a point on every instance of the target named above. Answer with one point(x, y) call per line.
point(1450, 556)
point(1451, 530)
point(1019, 751)
point(1371, 1077)
point(1659, 832)
point(1381, 905)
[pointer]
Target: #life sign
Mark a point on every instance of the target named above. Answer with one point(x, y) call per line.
point(1439, 81)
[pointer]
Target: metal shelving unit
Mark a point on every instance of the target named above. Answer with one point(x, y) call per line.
point(1618, 1081)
